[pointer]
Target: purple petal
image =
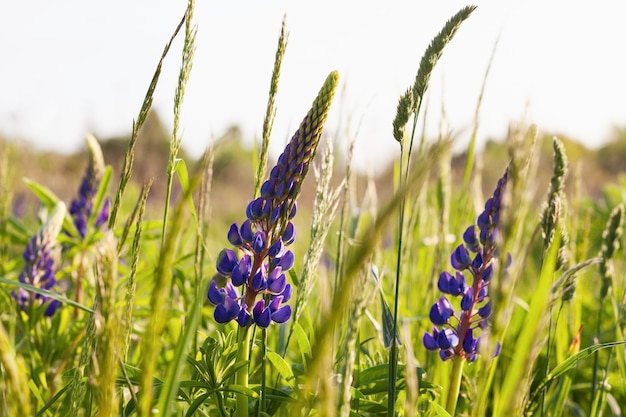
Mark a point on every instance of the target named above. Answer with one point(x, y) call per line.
point(468, 300)
point(469, 342)
point(254, 210)
point(429, 341)
point(446, 354)
point(485, 311)
point(487, 273)
point(277, 285)
point(243, 318)
point(246, 231)
point(460, 258)
point(230, 291)
point(234, 237)
point(470, 239)
point(478, 261)
point(258, 280)
point(259, 243)
point(241, 272)
point(262, 316)
point(289, 235)
point(276, 249)
point(226, 261)
point(103, 216)
point(267, 189)
point(287, 293)
point(441, 312)
point(282, 314)
point(221, 314)
point(215, 295)
point(286, 261)
point(52, 307)
point(444, 282)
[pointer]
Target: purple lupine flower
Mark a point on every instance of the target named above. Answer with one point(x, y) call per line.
point(39, 268)
point(474, 257)
point(81, 208)
point(263, 238)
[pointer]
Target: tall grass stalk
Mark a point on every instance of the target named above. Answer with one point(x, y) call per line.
point(129, 157)
point(345, 207)
point(151, 344)
point(611, 238)
point(552, 215)
point(163, 273)
point(131, 283)
point(342, 298)
point(189, 48)
point(270, 112)
point(515, 384)
point(103, 368)
point(324, 211)
point(410, 104)
point(350, 347)
point(6, 198)
point(14, 397)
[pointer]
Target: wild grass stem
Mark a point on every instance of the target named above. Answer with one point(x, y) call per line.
point(270, 112)
point(129, 156)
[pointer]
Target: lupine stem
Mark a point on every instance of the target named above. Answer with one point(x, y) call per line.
point(455, 383)
point(241, 377)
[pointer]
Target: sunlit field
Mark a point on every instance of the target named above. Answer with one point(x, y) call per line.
point(323, 293)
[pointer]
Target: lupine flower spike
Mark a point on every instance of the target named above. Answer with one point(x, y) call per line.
point(459, 334)
point(262, 239)
point(39, 268)
point(81, 208)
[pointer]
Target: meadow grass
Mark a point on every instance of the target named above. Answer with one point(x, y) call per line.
point(100, 316)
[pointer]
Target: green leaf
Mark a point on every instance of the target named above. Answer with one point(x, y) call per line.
point(571, 362)
point(50, 200)
point(280, 364)
point(238, 389)
point(387, 315)
point(441, 412)
point(303, 340)
point(373, 374)
point(100, 196)
point(196, 404)
point(50, 294)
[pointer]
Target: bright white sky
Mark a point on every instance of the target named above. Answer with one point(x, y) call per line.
point(71, 67)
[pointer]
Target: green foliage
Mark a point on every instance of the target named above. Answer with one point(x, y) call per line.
point(135, 334)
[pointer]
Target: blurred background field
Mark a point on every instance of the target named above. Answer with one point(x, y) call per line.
point(233, 177)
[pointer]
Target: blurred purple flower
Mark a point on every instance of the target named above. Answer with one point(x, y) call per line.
point(81, 208)
point(39, 268)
